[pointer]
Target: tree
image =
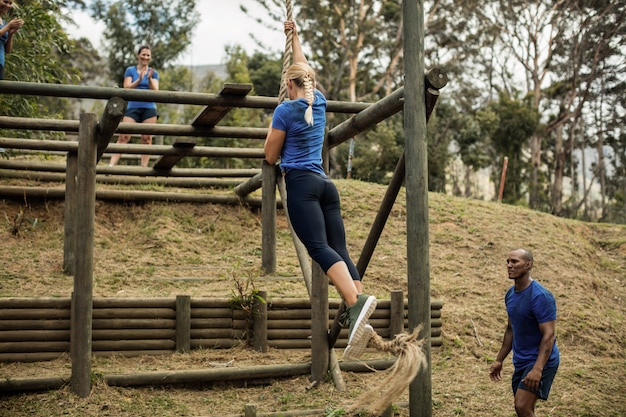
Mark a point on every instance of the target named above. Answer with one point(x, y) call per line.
point(582, 64)
point(355, 48)
point(237, 66)
point(376, 153)
point(265, 74)
point(165, 26)
point(41, 53)
point(510, 124)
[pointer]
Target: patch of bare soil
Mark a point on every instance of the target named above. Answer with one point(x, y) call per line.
point(202, 250)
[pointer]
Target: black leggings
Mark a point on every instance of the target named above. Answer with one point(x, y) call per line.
point(315, 214)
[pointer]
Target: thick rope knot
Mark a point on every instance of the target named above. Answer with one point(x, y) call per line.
point(402, 343)
point(410, 359)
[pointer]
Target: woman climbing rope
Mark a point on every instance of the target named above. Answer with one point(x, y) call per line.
point(296, 136)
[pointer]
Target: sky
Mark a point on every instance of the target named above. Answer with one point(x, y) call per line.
point(221, 23)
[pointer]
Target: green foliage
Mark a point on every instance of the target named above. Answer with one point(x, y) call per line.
point(90, 64)
point(334, 412)
point(243, 298)
point(440, 135)
point(175, 79)
point(509, 124)
point(265, 74)
point(376, 153)
point(41, 53)
point(339, 34)
point(41, 48)
point(165, 26)
point(238, 68)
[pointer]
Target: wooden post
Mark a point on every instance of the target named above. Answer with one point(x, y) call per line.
point(416, 181)
point(111, 118)
point(69, 219)
point(259, 323)
point(253, 184)
point(250, 410)
point(435, 79)
point(183, 323)
point(335, 371)
point(82, 307)
point(396, 313)
point(319, 325)
point(268, 218)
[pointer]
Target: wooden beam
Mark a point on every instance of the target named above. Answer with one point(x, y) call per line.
point(167, 162)
point(120, 195)
point(111, 118)
point(211, 115)
point(191, 182)
point(160, 96)
point(82, 297)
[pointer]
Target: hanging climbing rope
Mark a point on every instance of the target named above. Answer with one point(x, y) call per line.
point(282, 95)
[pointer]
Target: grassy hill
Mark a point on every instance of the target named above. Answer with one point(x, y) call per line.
point(161, 249)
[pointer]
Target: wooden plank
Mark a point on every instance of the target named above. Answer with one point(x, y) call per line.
point(167, 162)
point(211, 115)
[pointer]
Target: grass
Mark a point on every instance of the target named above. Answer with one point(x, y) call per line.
point(166, 249)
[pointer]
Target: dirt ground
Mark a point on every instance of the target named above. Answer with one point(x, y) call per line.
point(165, 249)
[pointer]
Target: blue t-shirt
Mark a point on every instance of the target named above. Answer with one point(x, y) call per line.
point(527, 309)
point(302, 149)
point(143, 85)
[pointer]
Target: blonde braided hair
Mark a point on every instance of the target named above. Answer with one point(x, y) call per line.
point(304, 77)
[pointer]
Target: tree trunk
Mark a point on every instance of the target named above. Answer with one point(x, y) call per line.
point(468, 182)
point(535, 159)
point(556, 198)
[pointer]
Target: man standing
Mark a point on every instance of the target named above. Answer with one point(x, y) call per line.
point(530, 333)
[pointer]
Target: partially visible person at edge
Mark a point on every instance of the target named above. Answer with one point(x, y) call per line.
point(141, 77)
point(296, 136)
point(530, 333)
point(7, 30)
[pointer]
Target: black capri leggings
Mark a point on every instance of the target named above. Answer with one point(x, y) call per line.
point(315, 214)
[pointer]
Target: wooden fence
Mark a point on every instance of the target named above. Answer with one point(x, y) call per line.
point(38, 329)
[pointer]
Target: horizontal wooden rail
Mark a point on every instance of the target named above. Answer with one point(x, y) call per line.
point(197, 151)
point(161, 96)
point(71, 126)
point(136, 171)
point(191, 182)
point(198, 376)
point(119, 195)
point(39, 329)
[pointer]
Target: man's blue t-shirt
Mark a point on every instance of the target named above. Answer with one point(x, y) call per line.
point(143, 85)
point(527, 309)
point(302, 149)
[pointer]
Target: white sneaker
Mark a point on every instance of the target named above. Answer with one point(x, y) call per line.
point(356, 349)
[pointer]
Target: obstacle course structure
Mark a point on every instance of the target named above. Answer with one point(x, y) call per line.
point(417, 99)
